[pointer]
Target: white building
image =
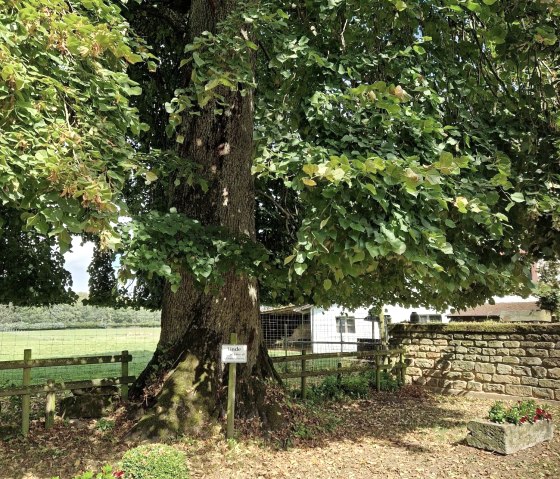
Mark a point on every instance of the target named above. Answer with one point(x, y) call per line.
point(335, 329)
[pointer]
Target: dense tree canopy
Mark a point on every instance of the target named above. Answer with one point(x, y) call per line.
point(406, 152)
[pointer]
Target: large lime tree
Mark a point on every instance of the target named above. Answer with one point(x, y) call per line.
point(351, 152)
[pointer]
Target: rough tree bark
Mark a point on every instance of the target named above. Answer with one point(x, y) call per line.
point(195, 323)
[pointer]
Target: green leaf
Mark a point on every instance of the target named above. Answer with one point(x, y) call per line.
point(327, 284)
point(518, 197)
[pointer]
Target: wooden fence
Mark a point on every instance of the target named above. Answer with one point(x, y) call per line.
point(380, 360)
point(51, 387)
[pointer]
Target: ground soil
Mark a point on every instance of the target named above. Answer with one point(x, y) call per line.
point(390, 435)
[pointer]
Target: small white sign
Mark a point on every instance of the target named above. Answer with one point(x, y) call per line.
point(234, 353)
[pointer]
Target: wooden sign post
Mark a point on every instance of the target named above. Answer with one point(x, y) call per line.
point(232, 354)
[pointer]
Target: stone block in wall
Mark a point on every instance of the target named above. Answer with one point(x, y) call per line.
point(467, 343)
point(489, 351)
point(467, 376)
point(493, 388)
point(490, 337)
point(474, 386)
point(502, 351)
point(458, 336)
point(554, 373)
point(485, 368)
point(557, 345)
point(527, 381)
point(557, 395)
point(549, 383)
point(539, 372)
point(452, 375)
point(463, 365)
point(511, 344)
point(521, 371)
point(424, 363)
point(530, 361)
point(546, 345)
point(517, 352)
point(483, 359)
point(541, 353)
point(543, 393)
point(405, 341)
point(455, 385)
point(528, 344)
point(555, 353)
point(517, 337)
point(425, 348)
point(433, 355)
point(495, 344)
point(420, 355)
point(510, 359)
point(412, 371)
point(496, 359)
point(474, 350)
point(483, 377)
point(551, 362)
point(481, 344)
point(504, 369)
point(426, 341)
point(516, 390)
point(470, 357)
point(534, 337)
point(461, 350)
point(440, 342)
point(505, 379)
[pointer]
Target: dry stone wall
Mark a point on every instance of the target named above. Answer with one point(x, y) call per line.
point(511, 359)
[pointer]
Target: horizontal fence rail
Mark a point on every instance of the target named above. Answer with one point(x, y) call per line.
point(379, 357)
point(54, 362)
point(51, 387)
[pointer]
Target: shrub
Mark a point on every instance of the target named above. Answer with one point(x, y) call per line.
point(520, 413)
point(155, 461)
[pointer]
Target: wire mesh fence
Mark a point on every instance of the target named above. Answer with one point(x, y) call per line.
point(139, 341)
point(292, 331)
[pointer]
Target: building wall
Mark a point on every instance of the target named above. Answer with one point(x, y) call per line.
point(500, 358)
point(323, 329)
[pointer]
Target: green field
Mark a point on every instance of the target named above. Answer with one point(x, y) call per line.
point(140, 343)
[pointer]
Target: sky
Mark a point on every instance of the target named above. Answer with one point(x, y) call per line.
point(76, 261)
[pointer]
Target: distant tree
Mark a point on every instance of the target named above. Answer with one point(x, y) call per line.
point(548, 289)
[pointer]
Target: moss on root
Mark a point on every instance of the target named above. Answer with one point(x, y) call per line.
point(184, 405)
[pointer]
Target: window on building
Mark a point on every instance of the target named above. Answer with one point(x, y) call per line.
point(345, 324)
point(430, 318)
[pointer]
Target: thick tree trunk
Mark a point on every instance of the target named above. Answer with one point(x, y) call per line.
point(195, 323)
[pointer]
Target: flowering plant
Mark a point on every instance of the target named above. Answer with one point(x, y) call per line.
point(520, 413)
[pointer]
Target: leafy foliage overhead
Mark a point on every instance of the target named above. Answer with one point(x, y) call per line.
point(65, 114)
point(405, 152)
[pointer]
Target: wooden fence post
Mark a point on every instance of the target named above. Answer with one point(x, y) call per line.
point(303, 377)
point(50, 406)
point(403, 369)
point(377, 373)
point(231, 393)
point(124, 373)
point(26, 398)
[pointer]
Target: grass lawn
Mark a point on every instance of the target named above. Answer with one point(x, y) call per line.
point(140, 342)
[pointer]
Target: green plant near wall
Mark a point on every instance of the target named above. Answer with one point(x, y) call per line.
point(520, 413)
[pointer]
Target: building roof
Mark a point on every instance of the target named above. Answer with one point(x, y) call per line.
point(285, 309)
point(496, 310)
